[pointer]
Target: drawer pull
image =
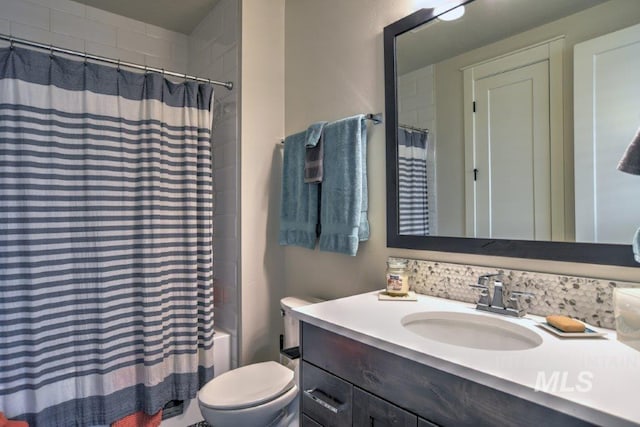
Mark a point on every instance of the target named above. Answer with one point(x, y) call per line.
point(324, 400)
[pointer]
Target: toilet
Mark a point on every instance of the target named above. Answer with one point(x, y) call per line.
point(260, 394)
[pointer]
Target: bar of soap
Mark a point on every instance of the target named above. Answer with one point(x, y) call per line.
point(565, 324)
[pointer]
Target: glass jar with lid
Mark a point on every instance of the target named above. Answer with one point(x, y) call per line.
point(397, 277)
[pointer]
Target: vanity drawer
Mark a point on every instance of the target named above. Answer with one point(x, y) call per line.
point(326, 398)
point(369, 410)
point(308, 422)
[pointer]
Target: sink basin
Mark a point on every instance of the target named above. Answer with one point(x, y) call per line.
point(471, 330)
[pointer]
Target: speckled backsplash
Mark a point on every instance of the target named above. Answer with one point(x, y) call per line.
point(590, 300)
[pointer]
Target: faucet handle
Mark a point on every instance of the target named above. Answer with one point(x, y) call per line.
point(485, 295)
point(522, 294)
point(514, 301)
point(485, 277)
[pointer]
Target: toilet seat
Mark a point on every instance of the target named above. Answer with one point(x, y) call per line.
point(247, 386)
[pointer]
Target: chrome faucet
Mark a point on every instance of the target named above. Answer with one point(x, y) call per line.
point(497, 303)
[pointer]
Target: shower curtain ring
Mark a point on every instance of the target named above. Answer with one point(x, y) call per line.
point(51, 51)
point(11, 42)
point(118, 67)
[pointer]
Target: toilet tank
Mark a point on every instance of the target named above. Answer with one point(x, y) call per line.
point(221, 351)
point(291, 324)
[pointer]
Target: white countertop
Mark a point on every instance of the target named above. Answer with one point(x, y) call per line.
point(597, 376)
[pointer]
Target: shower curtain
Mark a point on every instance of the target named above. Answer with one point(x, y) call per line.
point(413, 183)
point(106, 300)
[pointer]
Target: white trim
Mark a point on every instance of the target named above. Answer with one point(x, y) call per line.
point(523, 49)
point(552, 51)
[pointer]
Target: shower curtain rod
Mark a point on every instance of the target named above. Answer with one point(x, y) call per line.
point(425, 130)
point(14, 40)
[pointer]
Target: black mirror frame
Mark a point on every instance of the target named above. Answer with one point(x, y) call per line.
point(592, 253)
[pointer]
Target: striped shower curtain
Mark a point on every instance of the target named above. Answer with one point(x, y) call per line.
point(413, 183)
point(106, 300)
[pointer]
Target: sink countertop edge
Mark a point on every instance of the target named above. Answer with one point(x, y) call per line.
point(322, 316)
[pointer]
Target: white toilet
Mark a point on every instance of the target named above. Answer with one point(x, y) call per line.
point(260, 394)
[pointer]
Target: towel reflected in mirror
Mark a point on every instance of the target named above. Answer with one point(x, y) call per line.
point(630, 163)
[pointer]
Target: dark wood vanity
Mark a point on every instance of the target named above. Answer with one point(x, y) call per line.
point(345, 382)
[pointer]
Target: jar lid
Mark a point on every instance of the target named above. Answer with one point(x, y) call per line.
point(397, 263)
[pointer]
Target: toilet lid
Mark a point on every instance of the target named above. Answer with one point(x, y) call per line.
point(247, 386)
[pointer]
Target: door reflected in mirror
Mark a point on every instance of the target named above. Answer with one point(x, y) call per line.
point(500, 136)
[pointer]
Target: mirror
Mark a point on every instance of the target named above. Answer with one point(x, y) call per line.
point(500, 180)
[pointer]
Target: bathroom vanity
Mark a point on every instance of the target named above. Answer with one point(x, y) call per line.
point(361, 366)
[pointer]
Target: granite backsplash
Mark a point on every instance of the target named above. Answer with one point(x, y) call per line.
point(590, 300)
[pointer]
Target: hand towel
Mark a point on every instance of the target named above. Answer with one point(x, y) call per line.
point(314, 153)
point(630, 161)
point(344, 201)
point(140, 419)
point(299, 203)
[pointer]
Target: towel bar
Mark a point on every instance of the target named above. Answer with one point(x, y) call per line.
point(375, 118)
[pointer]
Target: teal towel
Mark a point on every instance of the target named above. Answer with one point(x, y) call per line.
point(299, 203)
point(630, 161)
point(344, 202)
point(313, 168)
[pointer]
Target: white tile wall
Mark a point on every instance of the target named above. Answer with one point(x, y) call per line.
point(216, 49)
point(226, 226)
point(81, 27)
point(230, 61)
point(64, 6)
point(115, 52)
point(417, 101)
point(225, 155)
point(226, 203)
point(213, 53)
point(71, 25)
point(142, 43)
point(417, 108)
point(26, 13)
point(210, 28)
point(4, 26)
point(230, 21)
point(47, 37)
point(99, 15)
point(225, 179)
